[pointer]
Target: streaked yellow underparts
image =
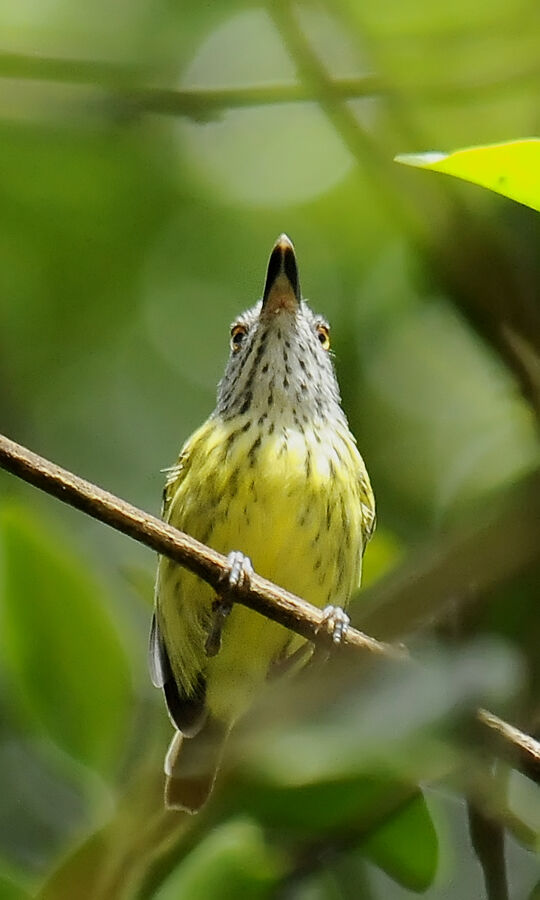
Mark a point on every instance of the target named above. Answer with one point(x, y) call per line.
point(288, 498)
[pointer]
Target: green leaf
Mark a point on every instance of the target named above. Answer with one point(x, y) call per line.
point(511, 168)
point(406, 846)
point(317, 808)
point(232, 861)
point(61, 643)
point(389, 820)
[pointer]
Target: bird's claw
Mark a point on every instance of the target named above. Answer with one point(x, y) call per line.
point(241, 569)
point(240, 572)
point(335, 622)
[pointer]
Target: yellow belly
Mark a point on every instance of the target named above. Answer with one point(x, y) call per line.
point(292, 502)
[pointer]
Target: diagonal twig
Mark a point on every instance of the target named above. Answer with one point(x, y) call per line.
point(526, 748)
point(259, 594)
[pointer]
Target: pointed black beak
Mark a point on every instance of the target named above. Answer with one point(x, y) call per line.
point(282, 288)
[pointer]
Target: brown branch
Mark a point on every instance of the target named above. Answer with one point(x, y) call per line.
point(525, 748)
point(259, 595)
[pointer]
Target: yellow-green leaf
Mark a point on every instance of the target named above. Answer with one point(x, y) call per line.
point(511, 168)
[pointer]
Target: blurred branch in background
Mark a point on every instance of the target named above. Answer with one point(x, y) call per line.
point(128, 85)
point(466, 254)
point(458, 570)
point(313, 74)
point(134, 85)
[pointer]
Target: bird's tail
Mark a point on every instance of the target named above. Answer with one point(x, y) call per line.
point(191, 766)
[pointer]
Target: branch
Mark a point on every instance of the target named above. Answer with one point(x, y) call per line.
point(259, 595)
point(526, 749)
point(362, 146)
point(481, 277)
point(127, 84)
point(459, 568)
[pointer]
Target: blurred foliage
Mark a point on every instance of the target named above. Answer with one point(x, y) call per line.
point(149, 156)
point(232, 861)
point(53, 610)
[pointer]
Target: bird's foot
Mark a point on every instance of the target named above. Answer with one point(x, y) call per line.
point(241, 569)
point(333, 627)
point(335, 622)
point(240, 572)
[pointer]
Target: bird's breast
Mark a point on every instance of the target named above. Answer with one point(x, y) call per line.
point(288, 498)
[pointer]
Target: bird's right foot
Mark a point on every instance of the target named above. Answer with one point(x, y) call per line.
point(240, 572)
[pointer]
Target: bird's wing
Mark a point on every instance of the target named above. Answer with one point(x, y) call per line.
point(188, 713)
point(175, 476)
point(367, 503)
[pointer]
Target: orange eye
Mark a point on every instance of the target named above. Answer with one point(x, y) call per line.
point(238, 333)
point(324, 336)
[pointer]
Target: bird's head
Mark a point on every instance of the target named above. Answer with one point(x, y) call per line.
point(280, 362)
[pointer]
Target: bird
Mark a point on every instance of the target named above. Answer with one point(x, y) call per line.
point(274, 480)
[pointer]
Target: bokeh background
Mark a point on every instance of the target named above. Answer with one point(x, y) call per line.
point(150, 154)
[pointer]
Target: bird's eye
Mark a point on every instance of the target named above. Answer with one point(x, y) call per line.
point(238, 333)
point(324, 336)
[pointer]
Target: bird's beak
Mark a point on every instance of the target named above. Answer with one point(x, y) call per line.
point(282, 288)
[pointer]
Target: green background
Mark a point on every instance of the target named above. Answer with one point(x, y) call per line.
point(143, 181)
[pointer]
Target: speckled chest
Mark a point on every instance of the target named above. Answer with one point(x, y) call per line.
point(286, 496)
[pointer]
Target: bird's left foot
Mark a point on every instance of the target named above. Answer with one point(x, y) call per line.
point(241, 569)
point(240, 572)
point(335, 622)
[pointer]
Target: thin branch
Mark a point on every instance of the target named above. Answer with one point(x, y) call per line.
point(313, 74)
point(469, 260)
point(457, 570)
point(513, 329)
point(259, 595)
point(131, 83)
point(206, 103)
point(127, 83)
point(525, 747)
